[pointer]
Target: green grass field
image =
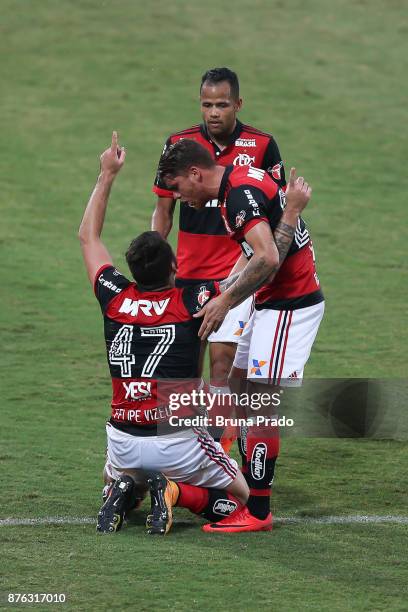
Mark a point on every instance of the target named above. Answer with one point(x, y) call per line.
point(329, 81)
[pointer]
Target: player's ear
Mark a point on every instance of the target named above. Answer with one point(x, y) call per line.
point(238, 105)
point(195, 173)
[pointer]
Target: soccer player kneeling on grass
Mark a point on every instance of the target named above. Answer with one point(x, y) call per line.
point(151, 337)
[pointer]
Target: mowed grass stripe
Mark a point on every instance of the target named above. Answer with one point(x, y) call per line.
point(279, 520)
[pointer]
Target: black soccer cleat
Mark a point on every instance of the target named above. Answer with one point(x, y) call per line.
point(106, 491)
point(163, 496)
point(110, 516)
point(138, 495)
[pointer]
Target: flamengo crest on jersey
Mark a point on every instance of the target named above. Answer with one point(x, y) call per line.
point(203, 295)
point(240, 218)
point(276, 171)
point(243, 159)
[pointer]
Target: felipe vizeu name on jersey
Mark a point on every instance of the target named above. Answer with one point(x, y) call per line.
point(249, 196)
point(149, 336)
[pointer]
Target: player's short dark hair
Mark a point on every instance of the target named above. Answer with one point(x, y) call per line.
point(181, 155)
point(150, 259)
point(218, 75)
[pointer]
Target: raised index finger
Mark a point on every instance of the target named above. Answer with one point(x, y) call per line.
point(292, 177)
point(114, 145)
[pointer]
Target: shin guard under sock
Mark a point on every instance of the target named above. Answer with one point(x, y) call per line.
point(262, 452)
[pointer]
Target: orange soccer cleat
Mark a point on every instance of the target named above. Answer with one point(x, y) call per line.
point(238, 522)
point(228, 438)
point(163, 495)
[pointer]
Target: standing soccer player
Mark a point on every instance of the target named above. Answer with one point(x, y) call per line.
point(281, 270)
point(204, 249)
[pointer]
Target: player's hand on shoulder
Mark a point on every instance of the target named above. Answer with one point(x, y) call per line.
point(298, 192)
point(113, 158)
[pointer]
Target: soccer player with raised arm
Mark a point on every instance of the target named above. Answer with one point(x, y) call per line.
point(280, 270)
point(151, 337)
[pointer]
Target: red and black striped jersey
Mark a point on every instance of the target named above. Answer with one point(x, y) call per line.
point(203, 248)
point(150, 336)
point(249, 196)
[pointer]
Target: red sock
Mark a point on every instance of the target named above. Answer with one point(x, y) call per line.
point(191, 497)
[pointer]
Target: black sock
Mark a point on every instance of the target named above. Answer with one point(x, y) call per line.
point(220, 504)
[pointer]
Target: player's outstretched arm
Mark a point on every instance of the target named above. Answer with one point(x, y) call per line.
point(162, 218)
point(94, 252)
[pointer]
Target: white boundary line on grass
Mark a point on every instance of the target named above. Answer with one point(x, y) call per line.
point(279, 520)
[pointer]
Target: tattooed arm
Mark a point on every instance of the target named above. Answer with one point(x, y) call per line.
point(263, 263)
point(283, 235)
point(227, 282)
point(264, 260)
point(257, 272)
point(234, 274)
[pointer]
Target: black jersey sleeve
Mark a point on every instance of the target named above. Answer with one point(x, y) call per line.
point(245, 204)
point(159, 184)
point(196, 296)
point(273, 163)
point(108, 283)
